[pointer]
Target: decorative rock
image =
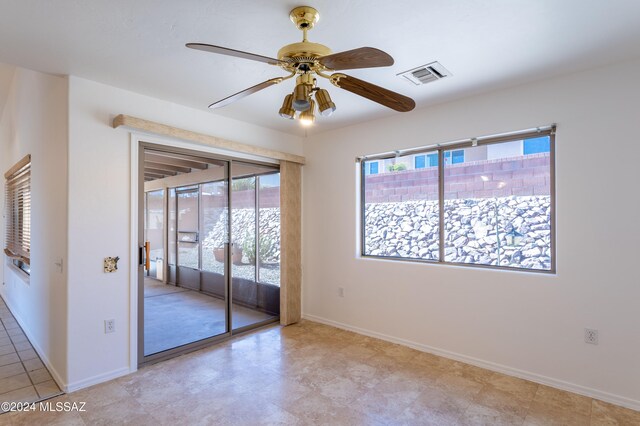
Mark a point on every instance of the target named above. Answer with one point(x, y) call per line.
point(460, 241)
point(534, 252)
point(243, 225)
point(473, 227)
point(406, 227)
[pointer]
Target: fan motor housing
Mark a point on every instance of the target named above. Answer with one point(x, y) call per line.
point(303, 49)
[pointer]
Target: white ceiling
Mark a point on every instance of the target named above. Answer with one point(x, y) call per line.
point(139, 45)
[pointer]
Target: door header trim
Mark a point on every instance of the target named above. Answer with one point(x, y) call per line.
point(148, 126)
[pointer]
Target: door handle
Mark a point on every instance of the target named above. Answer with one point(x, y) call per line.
point(147, 252)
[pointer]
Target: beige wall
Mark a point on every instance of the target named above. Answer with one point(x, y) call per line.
point(34, 121)
point(100, 190)
point(527, 324)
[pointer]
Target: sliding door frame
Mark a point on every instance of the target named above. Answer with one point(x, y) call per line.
point(136, 327)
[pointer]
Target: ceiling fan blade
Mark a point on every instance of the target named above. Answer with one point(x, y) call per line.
point(372, 92)
point(232, 52)
point(364, 57)
point(246, 92)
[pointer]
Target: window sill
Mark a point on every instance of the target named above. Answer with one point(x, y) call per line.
point(459, 265)
point(19, 273)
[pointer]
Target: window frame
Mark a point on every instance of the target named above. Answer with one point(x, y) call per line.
point(549, 131)
point(17, 210)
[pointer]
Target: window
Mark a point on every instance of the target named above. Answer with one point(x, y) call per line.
point(536, 145)
point(457, 157)
point(373, 168)
point(419, 162)
point(496, 210)
point(18, 214)
point(450, 157)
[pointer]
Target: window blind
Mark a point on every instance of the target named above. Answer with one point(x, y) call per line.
point(18, 210)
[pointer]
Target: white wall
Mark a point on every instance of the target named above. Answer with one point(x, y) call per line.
point(99, 214)
point(6, 80)
point(525, 323)
point(34, 121)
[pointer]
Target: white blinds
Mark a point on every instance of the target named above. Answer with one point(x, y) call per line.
point(18, 210)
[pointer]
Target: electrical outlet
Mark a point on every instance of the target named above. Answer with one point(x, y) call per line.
point(109, 326)
point(591, 336)
point(340, 291)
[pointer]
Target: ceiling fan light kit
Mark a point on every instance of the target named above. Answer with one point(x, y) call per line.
point(308, 117)
point(302, 92)
point(306, 60)
point(287, 110)
point(325, 104)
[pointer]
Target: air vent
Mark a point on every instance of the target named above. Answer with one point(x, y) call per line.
point(425, 74)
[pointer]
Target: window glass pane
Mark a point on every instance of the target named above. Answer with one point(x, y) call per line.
point(373, 169)
point(188, 246)
point(536, 145)
point(401, 212)
point(420, 162)
point(433, 160)
point(497, 208)
point(215, 225)
point(243, 222)
point(154, 229)
point(457, 157)
point(269, 232)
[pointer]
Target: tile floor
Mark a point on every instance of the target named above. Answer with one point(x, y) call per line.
point(176, 316)
point(311, 374)
point(23, 376)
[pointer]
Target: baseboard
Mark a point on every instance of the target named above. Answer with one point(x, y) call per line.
point(43, 357)
point(100, 378)
point(537, 378)
point(54, 373)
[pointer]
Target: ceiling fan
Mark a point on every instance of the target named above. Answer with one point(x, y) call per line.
point(306, 60)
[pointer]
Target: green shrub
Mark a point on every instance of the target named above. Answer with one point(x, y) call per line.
point(397, 167)
point(243, 184)
point(249, 246)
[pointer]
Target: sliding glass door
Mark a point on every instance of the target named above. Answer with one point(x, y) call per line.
point(213, 229)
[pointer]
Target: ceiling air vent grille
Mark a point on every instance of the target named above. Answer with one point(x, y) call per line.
point(425, 73)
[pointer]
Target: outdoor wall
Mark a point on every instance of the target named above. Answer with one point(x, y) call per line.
point(527, 324)
point(522, 175)
point(99, 211)
point(34, 121)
